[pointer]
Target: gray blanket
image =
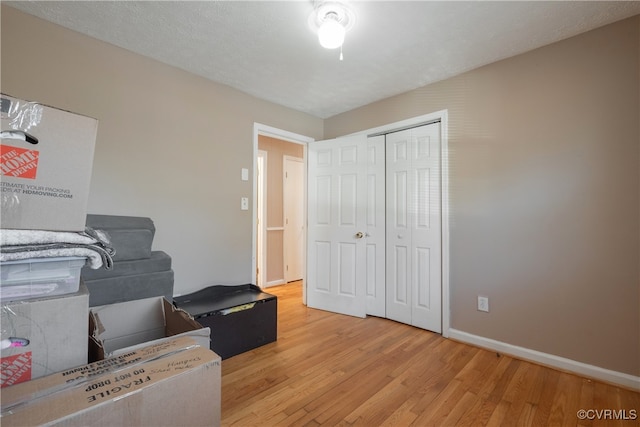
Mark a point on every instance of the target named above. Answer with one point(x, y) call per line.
point(94, 245)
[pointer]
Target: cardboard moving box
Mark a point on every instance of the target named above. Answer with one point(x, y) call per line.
point(46, 159)
point(123, 327)
point(29, 391)
point(178, 388)
point(56, 330)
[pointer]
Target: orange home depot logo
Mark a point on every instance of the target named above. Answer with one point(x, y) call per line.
point(18, 162)
point(15, 369)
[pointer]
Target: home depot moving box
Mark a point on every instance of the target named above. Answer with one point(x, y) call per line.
point(46, 158)
point(168, 384)
point(56, 330)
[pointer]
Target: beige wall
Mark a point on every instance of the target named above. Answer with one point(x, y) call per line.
point(544, 194)
point(276, 150)
point(170, 145)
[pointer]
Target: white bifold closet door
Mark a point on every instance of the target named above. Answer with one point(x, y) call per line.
point(413, 243)
point(374, 205)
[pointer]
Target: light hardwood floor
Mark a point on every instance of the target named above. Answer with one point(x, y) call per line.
point(330, 369)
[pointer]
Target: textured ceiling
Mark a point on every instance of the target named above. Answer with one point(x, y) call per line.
point(266, 48)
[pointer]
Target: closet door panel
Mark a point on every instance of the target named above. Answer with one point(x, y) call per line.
point(399, 206)
point(375, 228)
point(413, 227)
point(426, 229)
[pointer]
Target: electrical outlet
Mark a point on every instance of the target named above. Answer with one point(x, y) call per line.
point(244, 203)
point(483, 303)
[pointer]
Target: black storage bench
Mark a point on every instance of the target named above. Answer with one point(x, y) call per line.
point(241, 317)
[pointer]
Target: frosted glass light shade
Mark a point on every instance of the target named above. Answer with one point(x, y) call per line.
point(331, 34)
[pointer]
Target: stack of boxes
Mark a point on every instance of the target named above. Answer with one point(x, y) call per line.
point(45, 307)
point(138, 272)
point(57, 315)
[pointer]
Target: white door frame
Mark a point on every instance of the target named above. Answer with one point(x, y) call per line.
point(443, 117)
point(265, 130)
point(261, 214)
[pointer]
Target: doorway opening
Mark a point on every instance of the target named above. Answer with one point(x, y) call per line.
point(280, 198)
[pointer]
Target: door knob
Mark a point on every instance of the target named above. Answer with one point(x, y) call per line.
point(359, 235)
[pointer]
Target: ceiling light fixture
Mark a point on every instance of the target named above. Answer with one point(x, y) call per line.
point(331, 20)
point(331, 32)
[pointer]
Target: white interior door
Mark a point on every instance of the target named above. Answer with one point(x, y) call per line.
point(414, 254)
point(336, 212)
point(293, 194)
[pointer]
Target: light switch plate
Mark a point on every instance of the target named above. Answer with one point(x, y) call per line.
point(245, 174)
point(483, 303)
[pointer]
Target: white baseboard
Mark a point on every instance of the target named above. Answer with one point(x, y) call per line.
point(275, 283)
point(561, 363)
